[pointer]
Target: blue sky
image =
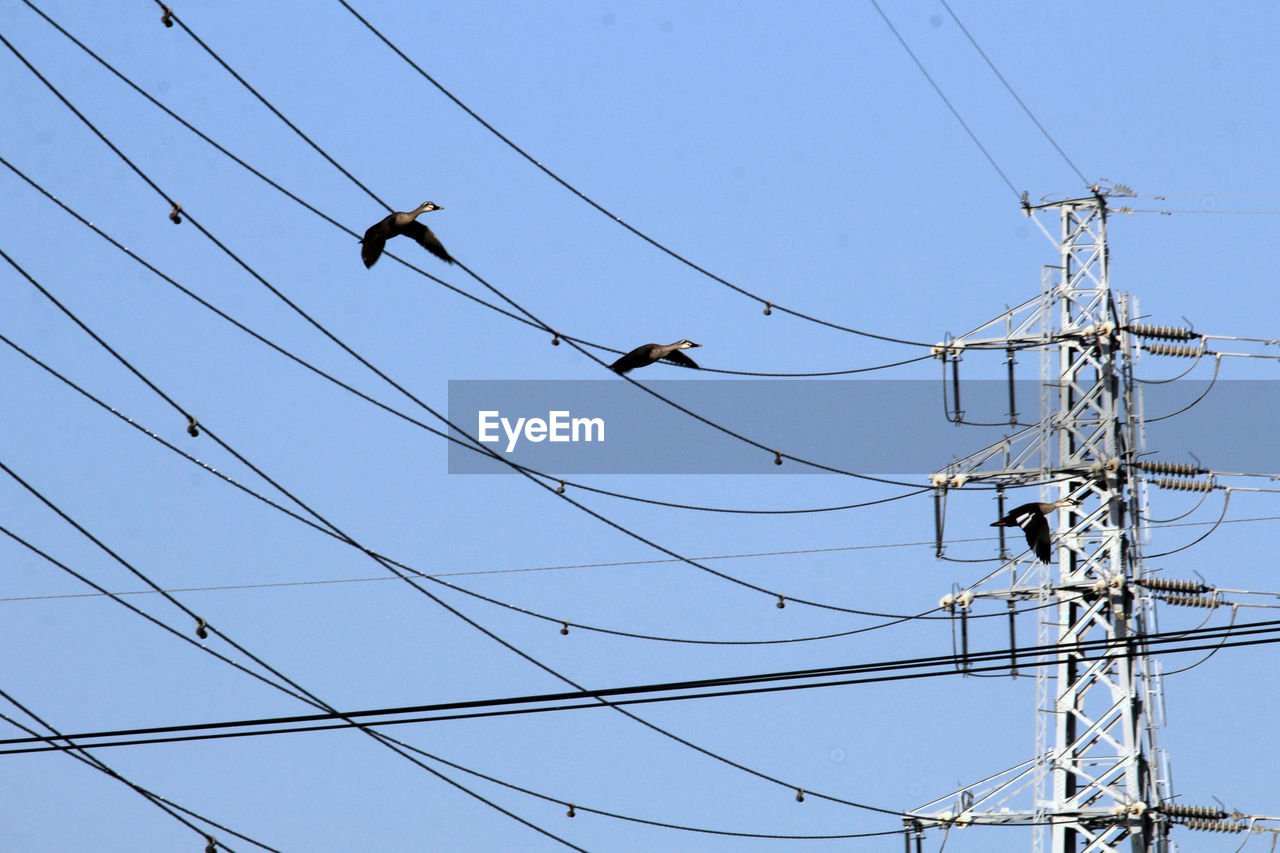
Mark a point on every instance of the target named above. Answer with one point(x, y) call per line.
point(795, 151)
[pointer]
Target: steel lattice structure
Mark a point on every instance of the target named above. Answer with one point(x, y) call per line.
point(1098, 781)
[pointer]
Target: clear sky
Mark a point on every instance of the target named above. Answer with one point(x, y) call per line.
point(794, 150)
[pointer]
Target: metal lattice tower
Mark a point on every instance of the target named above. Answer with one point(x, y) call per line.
point(1097, 781)
point(1100, 766)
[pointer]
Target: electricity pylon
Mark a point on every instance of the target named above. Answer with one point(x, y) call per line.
point(1098, 777)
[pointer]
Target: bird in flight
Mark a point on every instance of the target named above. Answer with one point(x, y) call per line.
point(1031, 518)
point(649, 353)
point(375, 239)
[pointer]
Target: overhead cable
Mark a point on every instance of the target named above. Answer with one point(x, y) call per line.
point(938, 89)
point(163, 803)
point(292, 688)
point(391, 743)
point(470, 446)
point(769, 305)
point(1009, 87)
point(329, 219)
point(778, 455)
point(1160, 643)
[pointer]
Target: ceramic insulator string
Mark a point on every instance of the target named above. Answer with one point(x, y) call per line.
point(1185, 485)
point(1176, 469)
point(1169, 333)
point(1175, 350)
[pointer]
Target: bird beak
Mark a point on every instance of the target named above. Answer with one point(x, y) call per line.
point(997, 524)
point(692, 344)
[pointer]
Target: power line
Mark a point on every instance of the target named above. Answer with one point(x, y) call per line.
point(732, 511)
point(294, 689)
point(777, 455)
point(555, 620)
point(267, 180)
point(1234, 611)
point(1167, 642)
point(470, 446)
point(1226, 502)
point(268, 105)
point(945, 99)
point(164, 804)
point(612, 564)
point(202, 623)
point(519, 469)
point(381, 738)
point(1021, 103)
point(195, 618)
point(1171, 212)
point(117, 599)
point(574, 807)
point(79, 752)
point(894, 617)
point(319, 327)
point(363, 361)
point(329, 219)
point(311, 208)
point(391, 743)
point(768, 304)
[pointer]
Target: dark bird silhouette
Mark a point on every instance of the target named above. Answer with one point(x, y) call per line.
point(1031, 518)
point(649, 353)
point(375, 239)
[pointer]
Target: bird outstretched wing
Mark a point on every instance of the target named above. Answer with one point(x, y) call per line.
point(1036, 528)
point(677, 357)
point(422, 234)
point(638, 357)
point(371, 246)
point(1042, 547)
point(628, 362)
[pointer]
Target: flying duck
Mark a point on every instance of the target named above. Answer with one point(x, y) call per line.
point(1031, 518)
point(402, 223)
point(649, 353)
